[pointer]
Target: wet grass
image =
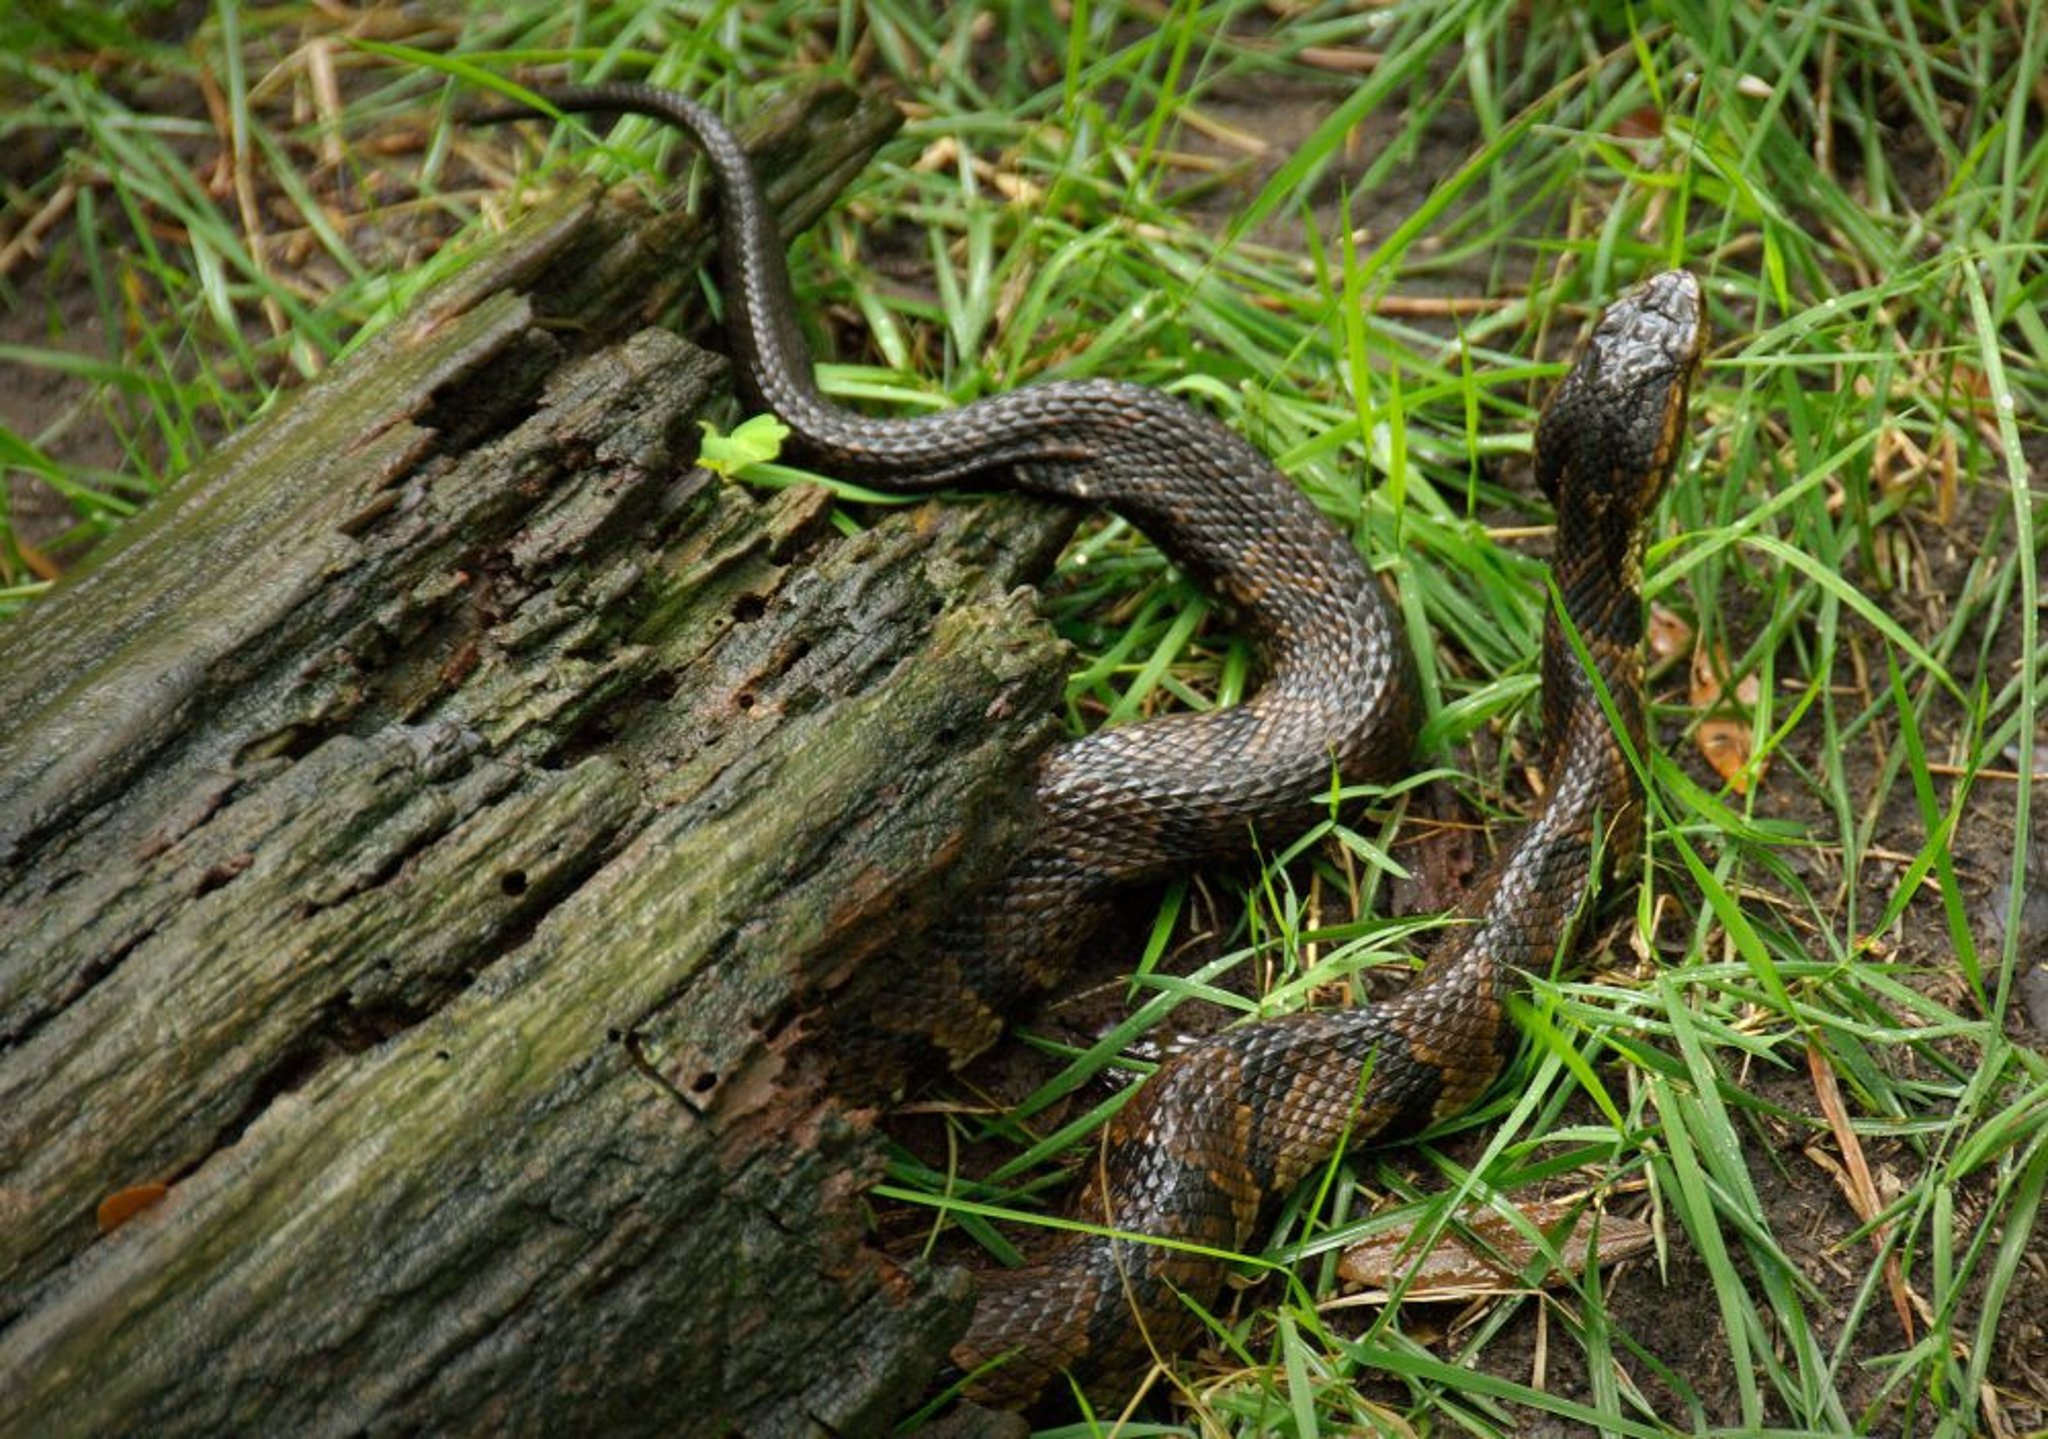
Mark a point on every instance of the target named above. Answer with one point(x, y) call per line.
point(1364, 237)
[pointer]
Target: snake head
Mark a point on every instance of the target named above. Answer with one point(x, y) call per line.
point(1611, 431)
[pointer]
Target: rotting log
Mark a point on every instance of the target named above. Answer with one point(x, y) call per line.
point(423, 834)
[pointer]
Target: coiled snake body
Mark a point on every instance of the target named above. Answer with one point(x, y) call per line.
point(1245, 1114)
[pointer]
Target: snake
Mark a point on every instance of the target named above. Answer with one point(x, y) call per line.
point(1231, 1121)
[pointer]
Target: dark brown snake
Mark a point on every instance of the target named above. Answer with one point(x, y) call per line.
point(1246, 1114)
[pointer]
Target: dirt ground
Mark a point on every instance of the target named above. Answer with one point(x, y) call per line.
point(1672, 1312)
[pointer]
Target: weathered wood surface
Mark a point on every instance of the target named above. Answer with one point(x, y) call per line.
point(421, 836)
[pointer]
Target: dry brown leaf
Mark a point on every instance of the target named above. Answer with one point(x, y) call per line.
point(39, 562)
point(1725, 736)
point(1707, 669)
point(1968, 380)
point(942, 154)
point(1643, 123)
point(1492, 1261)
point(1727, 744)
point(1704, 691)
point(124, 1204)
point(1853, 1176)
point(1670, 634)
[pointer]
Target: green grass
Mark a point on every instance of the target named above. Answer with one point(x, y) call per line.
point(1856, 528)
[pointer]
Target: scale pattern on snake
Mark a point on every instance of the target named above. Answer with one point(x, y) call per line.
point(1247, 1113)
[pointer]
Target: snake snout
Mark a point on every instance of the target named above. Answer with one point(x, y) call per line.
point(1650, 338)
point(1675, 295)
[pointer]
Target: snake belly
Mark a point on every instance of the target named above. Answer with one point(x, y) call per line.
point(1244, 1115)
